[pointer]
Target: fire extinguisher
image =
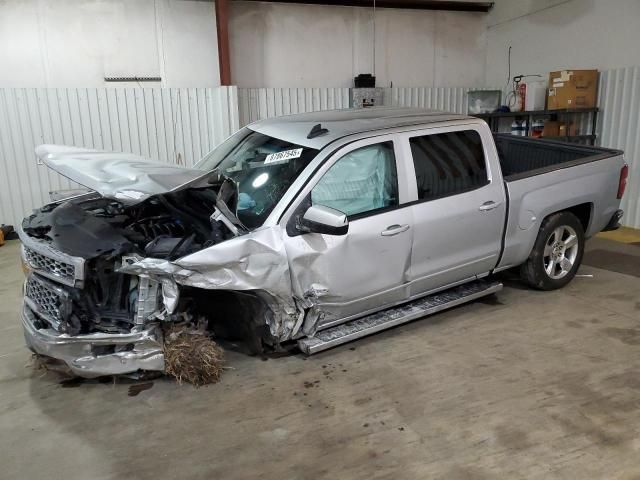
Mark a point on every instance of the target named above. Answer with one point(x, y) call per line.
point(522, 95)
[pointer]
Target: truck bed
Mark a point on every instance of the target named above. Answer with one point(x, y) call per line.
point(521, 157)
point(546, 176)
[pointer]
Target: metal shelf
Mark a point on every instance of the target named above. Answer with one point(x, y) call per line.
point(577, 137)
point(493, 119)
point(533, 113)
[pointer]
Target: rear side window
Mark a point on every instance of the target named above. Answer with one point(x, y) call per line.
point(448, 163)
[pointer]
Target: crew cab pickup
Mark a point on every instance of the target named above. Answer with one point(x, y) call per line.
point(316, 228)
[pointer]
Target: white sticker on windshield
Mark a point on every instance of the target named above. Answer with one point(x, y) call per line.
point(283, 156)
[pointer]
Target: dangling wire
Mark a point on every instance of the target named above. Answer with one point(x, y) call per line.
point(510, 96)
point(508, 67)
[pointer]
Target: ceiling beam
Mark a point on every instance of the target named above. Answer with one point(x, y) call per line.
point(404, 4)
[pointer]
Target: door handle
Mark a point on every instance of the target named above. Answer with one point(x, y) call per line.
point(490, 205)
point(394, 230)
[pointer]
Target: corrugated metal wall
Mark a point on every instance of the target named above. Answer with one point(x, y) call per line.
point(450, 99)
point(619, 127)
point(259, 103)
point(170, 125)
point(181, 125)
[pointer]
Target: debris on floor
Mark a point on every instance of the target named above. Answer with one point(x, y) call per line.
point(192, 356)
point(43, 364)
point(38, 363)
point(134, 390)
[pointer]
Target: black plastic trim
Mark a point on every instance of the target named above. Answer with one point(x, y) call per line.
point(526, 113)
point(315, 227)
point(503, 240)
point(614, 223)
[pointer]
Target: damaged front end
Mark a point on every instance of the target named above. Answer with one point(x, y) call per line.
point(105, 279)
point(108, 272)
point(62, 320)
point(78, 307)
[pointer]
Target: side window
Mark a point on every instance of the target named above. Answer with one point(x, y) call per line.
point(362, 181)
point(448, 163)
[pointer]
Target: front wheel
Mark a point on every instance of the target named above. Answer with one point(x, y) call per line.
point(557, 253)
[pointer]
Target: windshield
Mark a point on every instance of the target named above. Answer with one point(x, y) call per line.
point(263, 167)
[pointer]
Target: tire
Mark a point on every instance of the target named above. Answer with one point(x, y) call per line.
point(556, 254)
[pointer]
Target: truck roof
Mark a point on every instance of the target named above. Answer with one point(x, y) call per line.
point(340, 123)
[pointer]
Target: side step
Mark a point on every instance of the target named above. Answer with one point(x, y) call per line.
point(404, 313)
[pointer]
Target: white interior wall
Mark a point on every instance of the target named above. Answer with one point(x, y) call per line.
point(285, 45)
point(549, 35)
point(76, 43)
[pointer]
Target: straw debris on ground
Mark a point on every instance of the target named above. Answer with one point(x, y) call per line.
point(38, 363)
point(192, 356)
point(42, 364)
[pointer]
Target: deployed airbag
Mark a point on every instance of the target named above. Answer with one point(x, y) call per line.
point(361, 181)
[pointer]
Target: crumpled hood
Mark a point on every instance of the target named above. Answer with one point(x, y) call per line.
point(122, 176)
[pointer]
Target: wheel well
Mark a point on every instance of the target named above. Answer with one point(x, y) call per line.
point(582, 212)
point(234, 316)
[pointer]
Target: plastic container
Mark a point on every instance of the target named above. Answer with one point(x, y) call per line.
point(537, 126)
point(519, 128)
point(536, 96)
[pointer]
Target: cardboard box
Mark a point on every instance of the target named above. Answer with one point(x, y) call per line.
point(551, 128)
point(572, 89)
point(554, 128)
point(568, 130)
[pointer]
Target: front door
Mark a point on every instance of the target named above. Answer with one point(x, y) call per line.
point(346, 276)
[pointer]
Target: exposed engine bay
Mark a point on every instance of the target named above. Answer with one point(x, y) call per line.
point(108, 236)
point(102, 231)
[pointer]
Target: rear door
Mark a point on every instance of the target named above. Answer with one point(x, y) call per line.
point(458, 209)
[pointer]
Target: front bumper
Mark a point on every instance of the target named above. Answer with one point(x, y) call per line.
point(97, 354)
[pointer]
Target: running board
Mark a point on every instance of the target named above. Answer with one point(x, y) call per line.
point(376, 322)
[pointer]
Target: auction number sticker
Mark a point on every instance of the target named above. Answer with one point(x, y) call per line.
point(283, 156)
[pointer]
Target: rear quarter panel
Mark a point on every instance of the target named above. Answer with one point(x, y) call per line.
point(534, 198)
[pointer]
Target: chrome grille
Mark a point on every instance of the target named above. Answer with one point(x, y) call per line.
point(46, 299)
point(50, 265)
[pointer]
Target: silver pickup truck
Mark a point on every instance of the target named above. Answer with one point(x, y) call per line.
point(317, 229)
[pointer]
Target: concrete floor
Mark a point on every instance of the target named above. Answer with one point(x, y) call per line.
point(524, 385)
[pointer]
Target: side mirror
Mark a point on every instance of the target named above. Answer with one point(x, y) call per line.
point(321, 219)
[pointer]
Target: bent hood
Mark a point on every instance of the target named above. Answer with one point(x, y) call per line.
point(122, 176)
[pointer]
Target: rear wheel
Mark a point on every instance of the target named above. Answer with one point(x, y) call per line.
point(557, 253)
